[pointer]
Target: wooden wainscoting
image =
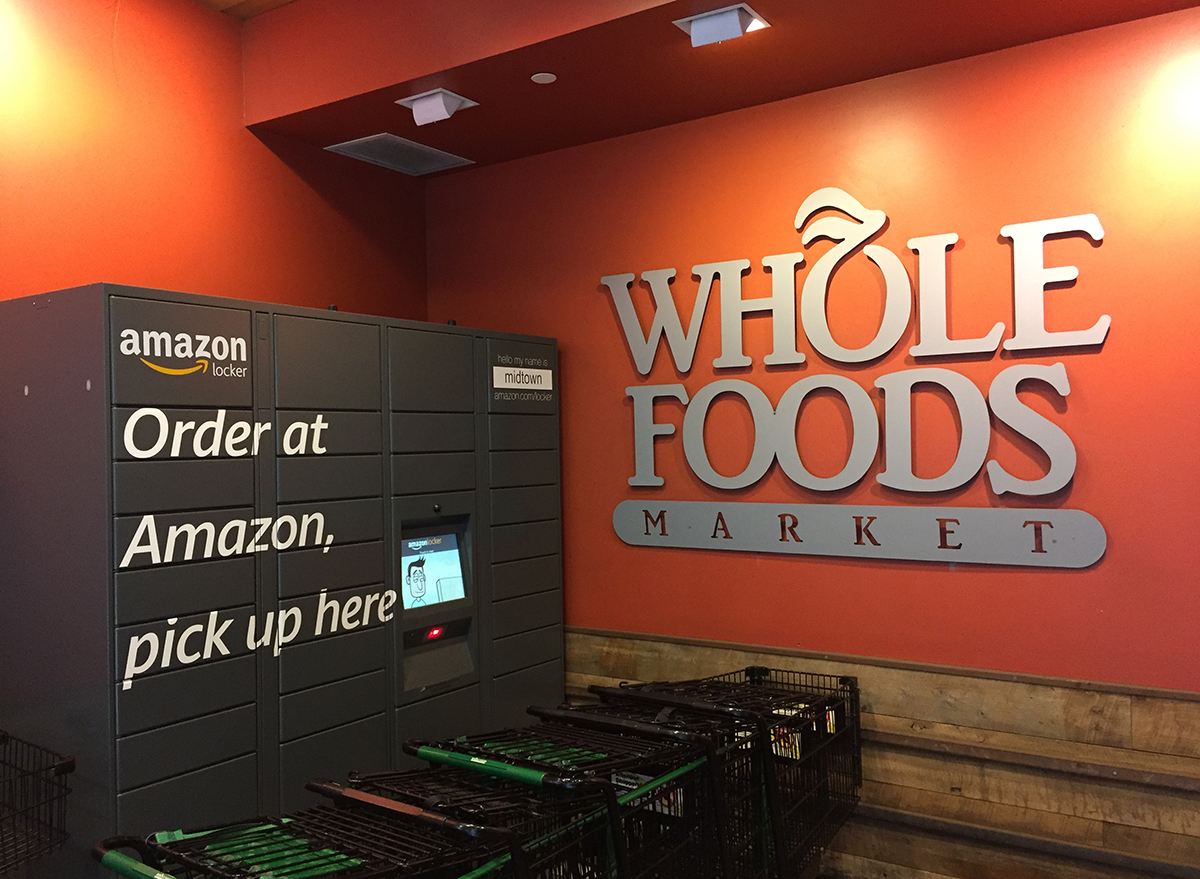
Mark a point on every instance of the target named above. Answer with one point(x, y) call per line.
point(977, 775)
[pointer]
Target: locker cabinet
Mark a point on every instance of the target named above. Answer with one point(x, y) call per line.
point(202, 508)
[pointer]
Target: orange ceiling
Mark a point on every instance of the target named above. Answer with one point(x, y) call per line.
point(638, 71)
point(244, 9)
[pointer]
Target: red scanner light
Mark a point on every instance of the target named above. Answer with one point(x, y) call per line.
point(435, 632)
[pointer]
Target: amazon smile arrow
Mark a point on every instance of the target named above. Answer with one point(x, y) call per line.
point(201, 366)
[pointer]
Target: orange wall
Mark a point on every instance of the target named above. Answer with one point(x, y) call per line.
point(1105, 122)
point(123, 158)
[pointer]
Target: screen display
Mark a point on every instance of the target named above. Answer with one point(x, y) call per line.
point(432, 570)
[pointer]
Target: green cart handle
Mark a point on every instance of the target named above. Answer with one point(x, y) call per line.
point(494, 768)
point(123, 865)
point(499, 768)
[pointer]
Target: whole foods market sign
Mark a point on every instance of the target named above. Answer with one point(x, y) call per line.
point(1038, 536)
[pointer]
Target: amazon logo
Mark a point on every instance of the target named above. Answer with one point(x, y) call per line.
point(215, 355)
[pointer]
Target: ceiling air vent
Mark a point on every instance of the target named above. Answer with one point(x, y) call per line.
point(398, 154)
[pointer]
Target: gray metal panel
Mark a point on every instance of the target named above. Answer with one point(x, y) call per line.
point(329, 705)
point(426, 474)
point(341, 433)
point(540, 685)
point(335, 753)
point(527, 540)
point(157, 486)
point(433, 432)
point(136, 382)
point(310, 570)
point(517, 432)
point(330, 659)
point(526, 504)
point(442, 717)
point(453, 505)
point(525, 576)
point(517, 615)
point(55, 673)
point(310, 479)
point(438, 664)
point(221, 794)
point(326, 364)
point(202, 689)
point(216, 433)
point(430, 371)
point(183, 747)
point(159, 593)
point(526, 649)
point(523, 468)
point(351, 521)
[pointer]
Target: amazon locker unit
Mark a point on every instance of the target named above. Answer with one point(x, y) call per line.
point(245, 545)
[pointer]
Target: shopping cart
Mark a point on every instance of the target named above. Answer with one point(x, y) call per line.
point(361, 837)
point(732, 746)
point(565, 826)
point(33, 801)
point(810, 725)
point(659, 782)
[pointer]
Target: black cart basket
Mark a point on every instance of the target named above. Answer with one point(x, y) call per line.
point(33, 801)
point(660, 787)
point(559, 826)
point(323, 842)
point(805, 730)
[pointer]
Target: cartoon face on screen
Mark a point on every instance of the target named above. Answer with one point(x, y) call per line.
point(433, 570)
point(415, 580)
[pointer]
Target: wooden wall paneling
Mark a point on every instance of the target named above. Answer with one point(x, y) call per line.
point(1096, 718)
point(999, 705)
point(925, 771)
point(1052, 793)
point(956, 807)
point(1122, 763)
point(1097, 833)
point(842, 865)
point(1152, 808)
point(923, 854)
point(1168, 846)
point(1166, 726)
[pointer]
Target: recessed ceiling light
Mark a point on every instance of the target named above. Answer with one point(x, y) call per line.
point(435, 105)
point(721, 24)
point(543, 78)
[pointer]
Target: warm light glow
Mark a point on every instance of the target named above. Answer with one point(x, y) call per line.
point(1171, 103)
point(756, 25)
point(1180, 84)
point(48, 100)
point(14, 47)
point(1163, 137)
